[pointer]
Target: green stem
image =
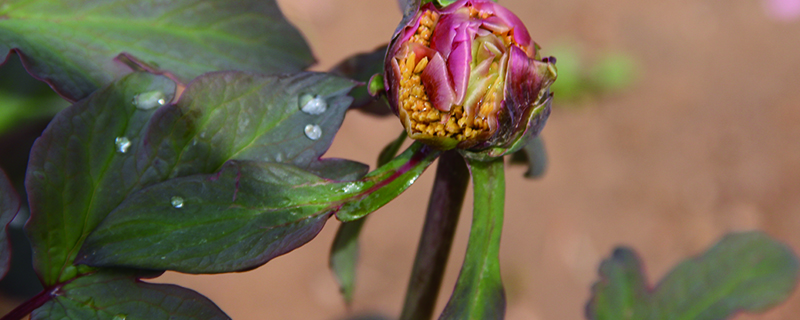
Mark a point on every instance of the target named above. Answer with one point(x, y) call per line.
point(362, 197)
point(441, 220)
point(479, 292)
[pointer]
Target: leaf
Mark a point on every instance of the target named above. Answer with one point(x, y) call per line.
point(362, 67)
point(345, 248)
point(239, 218)
point(344, 257)
point(479, 292)
point(245, 116)
point(72, 45)
point(743, 272)
point(622, 293)
point(534, 155)
point(9, 206)
point(116, 295)
point(221, 116)
point(76, 176)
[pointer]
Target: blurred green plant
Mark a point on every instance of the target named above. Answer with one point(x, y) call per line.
point(24, 99)
point(582, 77)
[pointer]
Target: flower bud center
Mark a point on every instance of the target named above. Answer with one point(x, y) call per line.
point(475, 114)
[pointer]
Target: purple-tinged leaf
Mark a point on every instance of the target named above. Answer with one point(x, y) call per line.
point(245, 116)
point(362, 67)
point(116, 295)
point(72, 45)
point(744, 272)
point(9, 206)
point(479, 292)
point(534, 155)
point(82, 167)
point(239, 218)
point(97, 152)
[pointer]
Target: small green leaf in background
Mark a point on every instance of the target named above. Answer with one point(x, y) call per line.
point(747, 272)
point(344, 257)
point(362, 67)
point(534, 155)
point(117, 295)
point(345, 248)
point(581, 77)
point(479, 292)
point(24, 99)
point(9, 206)
point(72, 44)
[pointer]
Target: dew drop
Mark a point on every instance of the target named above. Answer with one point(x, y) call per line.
point(120, 317)
point(123, 144)
point(313, 105)
point(177, 202)
point(313, 131)
point(149, 100)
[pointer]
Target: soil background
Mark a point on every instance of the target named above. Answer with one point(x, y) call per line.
point(705, 142)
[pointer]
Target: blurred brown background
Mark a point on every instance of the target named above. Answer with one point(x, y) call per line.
point(705, 141)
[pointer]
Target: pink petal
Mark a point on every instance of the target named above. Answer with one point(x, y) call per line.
point(459, 66)
point(437, 84)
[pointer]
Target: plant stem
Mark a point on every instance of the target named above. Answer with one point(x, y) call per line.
point(32, 304)
point(444, 208)
point(479, 292)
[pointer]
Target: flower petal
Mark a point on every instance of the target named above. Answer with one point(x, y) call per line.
point(437, 84)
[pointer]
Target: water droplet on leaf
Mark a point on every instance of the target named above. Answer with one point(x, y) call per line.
point(313, 105)
point(122, 144)
point(177, 202)
point(313, 131)
point(149, 100)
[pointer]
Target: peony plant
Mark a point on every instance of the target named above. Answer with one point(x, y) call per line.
point(194, 141)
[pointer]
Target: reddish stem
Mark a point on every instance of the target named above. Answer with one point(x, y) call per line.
point(32, 304)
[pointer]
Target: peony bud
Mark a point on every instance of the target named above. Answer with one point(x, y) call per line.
point(468, 76)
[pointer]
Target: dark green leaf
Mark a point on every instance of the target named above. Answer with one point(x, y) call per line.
point(338, 169)
point(72, 45)
point(113, 295)
point(239, 218)
point(9, 206)
point(621, 293)
point(345, 248)
point(743, 272)
point(479, 292)
point(390, 150)
point(344, 257)
point(244, 116)
point(362, 67)
point(534, 155)
point(221, 116)
point(76, 176)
